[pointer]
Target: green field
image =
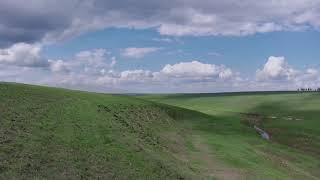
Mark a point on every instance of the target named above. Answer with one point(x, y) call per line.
point(50, 133)
point(291, 119)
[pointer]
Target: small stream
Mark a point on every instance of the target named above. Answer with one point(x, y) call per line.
point(263, 134)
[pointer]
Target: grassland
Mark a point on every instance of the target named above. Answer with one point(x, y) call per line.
point(50, 133)
point(292, 120)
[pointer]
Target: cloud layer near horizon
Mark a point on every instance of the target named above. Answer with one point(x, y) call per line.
point(94, 70)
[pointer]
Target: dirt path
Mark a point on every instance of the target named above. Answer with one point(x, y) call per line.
point(210, 166)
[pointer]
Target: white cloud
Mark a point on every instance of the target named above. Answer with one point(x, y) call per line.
point(94, 70)
point(22, 54)
point(135, 75)
point(58, 66)
point(225, 73)
point(48, 22)
point(276, 68)
point(229, 18)
point(134, 52)
point(29, 55)
point(167, 40)
point(312, 72)
point(179, 77)
point(196, 70)
point(95, 61)
point(113, 61)
point(277, 74)
point(309, 78)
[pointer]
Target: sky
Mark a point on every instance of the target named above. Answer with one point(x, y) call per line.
point(153, 46)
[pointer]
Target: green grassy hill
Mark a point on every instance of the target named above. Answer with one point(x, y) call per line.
point(50, 133)
point(291, 119)
point(56, 133)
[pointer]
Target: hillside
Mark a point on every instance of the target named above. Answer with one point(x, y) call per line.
point(51, 133)
point(290, 118)
point(56, 133)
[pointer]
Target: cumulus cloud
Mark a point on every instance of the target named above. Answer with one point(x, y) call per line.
point(22, 54)
point(93, 61)
point(29, 55)
point(88, 63)
point(135, 75)
point(278, 74)
point(46, 20)
point(81, 71)
point(276, 68)
point(94, 70)
point(197, 70)
point(58, 66)
point(134, 52)
point(85, 71)
point(179, 77)
point(183, 71)
point(310, 78)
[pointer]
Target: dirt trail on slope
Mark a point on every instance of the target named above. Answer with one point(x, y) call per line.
point(210, 165)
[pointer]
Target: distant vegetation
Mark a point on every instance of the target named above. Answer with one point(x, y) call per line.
point(50, 133)
point(308, 89)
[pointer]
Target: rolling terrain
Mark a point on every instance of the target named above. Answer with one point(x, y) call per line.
point(51, 133)
point(290, 118)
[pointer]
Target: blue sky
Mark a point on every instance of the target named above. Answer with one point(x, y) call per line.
point(243, 53)
point(160, 46)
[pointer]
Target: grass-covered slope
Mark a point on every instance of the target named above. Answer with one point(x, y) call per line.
point(50, 133)
point(291, 119)
point(56, 133)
